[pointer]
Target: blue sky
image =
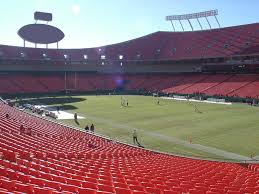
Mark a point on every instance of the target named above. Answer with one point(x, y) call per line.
point(90, 23)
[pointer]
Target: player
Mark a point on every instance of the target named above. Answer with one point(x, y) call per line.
point(135, 138)
point(196, 109)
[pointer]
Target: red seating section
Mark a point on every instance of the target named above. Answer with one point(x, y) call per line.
point(221, 42)
point(220, 84)
point(59, 159)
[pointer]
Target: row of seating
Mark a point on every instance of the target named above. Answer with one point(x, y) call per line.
point(241, 85)
point(254, 167)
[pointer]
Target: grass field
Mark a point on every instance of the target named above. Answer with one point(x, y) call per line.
point(233, 128)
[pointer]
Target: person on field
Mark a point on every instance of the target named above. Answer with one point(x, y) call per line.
point(86, 128)
point(92, 128)
point(75, 116)
point(58, 108)
point(75, 119)
point(135, 138)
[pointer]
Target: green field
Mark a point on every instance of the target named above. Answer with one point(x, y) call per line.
point(233, 128)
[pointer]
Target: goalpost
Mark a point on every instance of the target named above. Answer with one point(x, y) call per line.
point(70, 82)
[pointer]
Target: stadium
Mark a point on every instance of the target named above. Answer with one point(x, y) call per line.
point(169, 112)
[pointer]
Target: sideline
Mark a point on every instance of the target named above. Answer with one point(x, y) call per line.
point(192, 100)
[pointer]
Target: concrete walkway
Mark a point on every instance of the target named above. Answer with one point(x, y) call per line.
point(207, 149)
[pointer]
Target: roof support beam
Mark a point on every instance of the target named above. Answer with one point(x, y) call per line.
point(190, 24)
point(173, 25)
point(217, 20)
point(199, 23)
point(181, 24)
point(208, 22)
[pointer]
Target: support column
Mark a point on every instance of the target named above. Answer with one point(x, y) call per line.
point(181, 25)
point(65, 81)
point(172, 24)
point(190, 24)
point(217, 21)
point(208, 22)
point(199, 23)
point(75, 80)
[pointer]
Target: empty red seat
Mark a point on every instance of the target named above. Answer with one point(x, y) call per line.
point(122, 191)
point(9, 155)
point(120, 185)
point(105, 188)
point(139, 192)
point(7, 184)
point(90, 185)
point(53, 184)
point(3, 171)
point(70, 188)
point(3, 191)
point(136, 187)
point(74, 182)
point(39, 190)
point(86, 190)
point(172, 192)
point(37, 181)
point(153, 190)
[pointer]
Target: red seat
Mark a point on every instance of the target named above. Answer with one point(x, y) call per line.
point(3, 191)
point(53, 184)
point(39, 190)
point(3, 171)
point(37, 181)
point(139, 192)
point(9, 155)
point(12, 175)
point(122, 191)
point(136, 187)
point(86, 190)
point(120, 185)
point(71, 188)
point(153, 190)
point(74, 182)
point(6, 184)
point(24, 178)
point(105, 188)
point(233, 192)
point(172, 192)
point(90, 185)
point(59, 179)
